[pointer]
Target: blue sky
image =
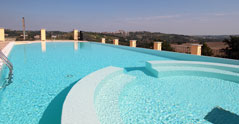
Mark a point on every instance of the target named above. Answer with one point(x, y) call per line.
point(192, 17)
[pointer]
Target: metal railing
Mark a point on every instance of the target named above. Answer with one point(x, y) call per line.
point(9, 65)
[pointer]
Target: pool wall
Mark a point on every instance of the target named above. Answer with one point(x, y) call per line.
point(175, 55)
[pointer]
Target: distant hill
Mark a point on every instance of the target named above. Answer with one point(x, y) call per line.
point(142, 37)
point(146, 39)
point(155, 36)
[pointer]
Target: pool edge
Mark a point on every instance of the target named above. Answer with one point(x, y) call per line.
point(78, 106)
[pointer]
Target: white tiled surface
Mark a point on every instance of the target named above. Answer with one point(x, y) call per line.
point(78, 107)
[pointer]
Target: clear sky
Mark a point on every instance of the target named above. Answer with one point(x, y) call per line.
point(193, 17)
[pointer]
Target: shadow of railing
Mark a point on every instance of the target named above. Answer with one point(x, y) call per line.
point(221, 116)
point(52, 114)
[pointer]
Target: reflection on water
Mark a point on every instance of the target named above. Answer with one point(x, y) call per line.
point(43, 46)
point(76, 45)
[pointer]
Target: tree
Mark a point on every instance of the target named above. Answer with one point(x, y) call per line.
point(81, 36)
point(206, 50)
point(166, 46)
point(232, 51)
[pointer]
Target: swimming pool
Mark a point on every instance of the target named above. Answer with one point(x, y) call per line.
point(43, 78)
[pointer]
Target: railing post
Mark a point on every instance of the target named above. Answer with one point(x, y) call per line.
point(116, 41)
point(132, 43)
point(196, 49)
point(158, 46)
point(103, 40)
point(43, 35)
point(2, 34)
point(76, 35)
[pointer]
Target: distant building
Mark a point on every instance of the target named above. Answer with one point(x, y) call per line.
point(22, 35)
point(37, 37)
point(122, 32)
point(53, 36)
point(118, 32)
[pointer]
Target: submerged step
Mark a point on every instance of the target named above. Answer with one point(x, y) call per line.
point(227, 67)
point(79, 103)
point(181, 68)
point(107, 97)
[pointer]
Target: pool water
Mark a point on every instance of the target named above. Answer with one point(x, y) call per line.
point(42, 79)
point(173, 99)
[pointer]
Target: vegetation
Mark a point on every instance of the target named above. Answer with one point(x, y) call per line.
point(166, 46)
point(144, 39)
point(31, 35)
point(232, 51)
point(206, 51)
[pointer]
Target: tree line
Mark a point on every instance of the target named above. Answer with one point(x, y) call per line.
point(144, 39)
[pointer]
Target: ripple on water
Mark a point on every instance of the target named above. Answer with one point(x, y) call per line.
point(179, 99)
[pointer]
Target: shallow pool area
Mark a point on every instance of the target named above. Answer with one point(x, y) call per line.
point(137, 96)
point(44, 78)
point(177, 99)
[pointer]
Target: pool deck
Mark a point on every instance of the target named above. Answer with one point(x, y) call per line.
point(3, 44)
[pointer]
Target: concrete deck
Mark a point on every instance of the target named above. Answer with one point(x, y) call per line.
point(3, 44)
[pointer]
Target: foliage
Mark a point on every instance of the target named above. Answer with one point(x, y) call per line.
point(232, 51)
point(30, 35)
point(166, 46)
point(206, 50)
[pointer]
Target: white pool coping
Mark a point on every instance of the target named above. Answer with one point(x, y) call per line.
point(78, 107)
point(6, 51)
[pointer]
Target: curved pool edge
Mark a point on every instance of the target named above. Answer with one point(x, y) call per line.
point(78, 106)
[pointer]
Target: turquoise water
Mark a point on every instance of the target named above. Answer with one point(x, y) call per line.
point(137, 97)
point(41, 80)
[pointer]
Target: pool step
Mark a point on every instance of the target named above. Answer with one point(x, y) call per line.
point(78, 107)
point(227, 67)
point(181, 68)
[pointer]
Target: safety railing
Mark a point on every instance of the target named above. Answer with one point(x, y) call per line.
point(9, 65)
